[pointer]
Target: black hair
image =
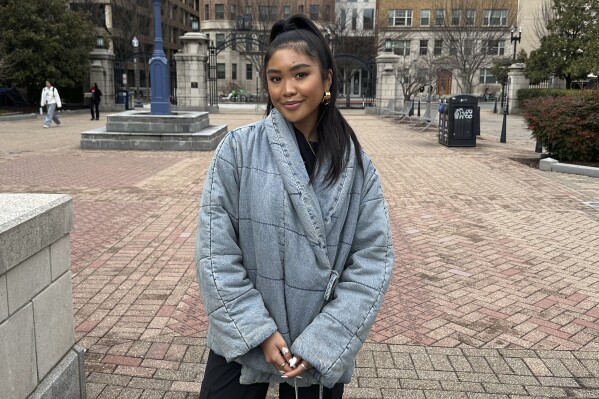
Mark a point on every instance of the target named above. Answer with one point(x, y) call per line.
point(334, 133)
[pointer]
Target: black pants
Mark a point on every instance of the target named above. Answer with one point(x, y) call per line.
point(221, 381)
point(97, 107)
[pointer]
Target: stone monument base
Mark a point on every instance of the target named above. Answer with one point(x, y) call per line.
point(140, 130)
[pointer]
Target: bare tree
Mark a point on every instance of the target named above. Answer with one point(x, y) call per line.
point(473, 33)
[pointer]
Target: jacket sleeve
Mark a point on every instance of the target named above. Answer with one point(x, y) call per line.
point(238, 319)
point(43, 98)
point(331, 342)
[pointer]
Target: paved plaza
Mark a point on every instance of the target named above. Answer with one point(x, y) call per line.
point(495, 292)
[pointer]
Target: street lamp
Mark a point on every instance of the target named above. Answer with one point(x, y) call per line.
point(99, 41)
point(515, 39)
point(388, 45)
point(195, 24)
point(135, 44)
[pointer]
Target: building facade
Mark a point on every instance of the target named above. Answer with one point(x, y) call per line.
point(119, 21)
point(447, 47)
point(354, 34)
point(239, 30)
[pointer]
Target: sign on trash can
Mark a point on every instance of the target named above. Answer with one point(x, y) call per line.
point(460, 123)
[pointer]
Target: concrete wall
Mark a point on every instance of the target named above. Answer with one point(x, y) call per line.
point(38, 356)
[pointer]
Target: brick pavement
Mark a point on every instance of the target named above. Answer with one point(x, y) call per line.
point(495, 292)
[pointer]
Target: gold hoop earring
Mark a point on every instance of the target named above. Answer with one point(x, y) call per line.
point(326, 99)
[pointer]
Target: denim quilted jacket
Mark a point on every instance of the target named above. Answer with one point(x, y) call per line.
point(275, 251)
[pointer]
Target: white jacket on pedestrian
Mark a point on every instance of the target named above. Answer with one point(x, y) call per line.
point(50, 96)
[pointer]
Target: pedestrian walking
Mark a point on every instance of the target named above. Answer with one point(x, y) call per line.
point(50, 99)
point(95, 104)
point(294, 250)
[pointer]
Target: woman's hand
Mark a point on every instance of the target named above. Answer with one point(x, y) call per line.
point(276, 352)
point(299, 367)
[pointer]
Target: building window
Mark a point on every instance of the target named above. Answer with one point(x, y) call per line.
point(263, 13)
point(438, 49)
point(439, 17)
point(368, 18)
point(248, 72)
point(232, 12)
point(401, 47)
point(286, 12)
point(494, 17)
point(219, 11)
point(314, 12)
point(220, 71)
point(494, 47)
point(249, 43)
point(207, 12)
point(248, 10)
point(327, 12)
point(423, 47)
point(425, 17)
point(400, 18)
point(455, 17)
point(300, 9)
point(233, 41)
point(342, 19)
point(486, 77)
point(234, 71)
point(470, 17)
point(468, 47)
point(453, 47)
point(263, 42)
point(354, 19)
point(220, 39)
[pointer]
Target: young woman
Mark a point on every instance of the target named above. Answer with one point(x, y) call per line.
point(294, 250)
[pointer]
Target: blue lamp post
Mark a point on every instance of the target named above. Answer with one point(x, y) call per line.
point(159, 70)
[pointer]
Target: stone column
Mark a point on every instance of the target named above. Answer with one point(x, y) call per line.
point(517, 81)
point(385, 79)
point(192, 87)
point(102, 72)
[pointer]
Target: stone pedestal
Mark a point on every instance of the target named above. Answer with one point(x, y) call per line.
point(385, 80)
point(38, 355)
point(102, 72)
point(192, 88)
point(140, 130)
point(517, 81)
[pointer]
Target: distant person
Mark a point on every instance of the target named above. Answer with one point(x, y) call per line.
point(51, 99)
point(96, 94)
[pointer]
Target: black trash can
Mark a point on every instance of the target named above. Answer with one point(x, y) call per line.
point(122, 97)
point(460, 123)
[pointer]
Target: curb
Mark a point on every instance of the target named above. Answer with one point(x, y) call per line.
point(552, 165)
point(17, 117)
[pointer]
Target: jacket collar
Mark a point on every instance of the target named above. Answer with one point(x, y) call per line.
point(309, 199)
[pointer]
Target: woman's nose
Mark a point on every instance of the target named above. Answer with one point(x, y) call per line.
point(288, 87)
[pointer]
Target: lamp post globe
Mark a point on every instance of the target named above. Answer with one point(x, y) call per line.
point(135, 44)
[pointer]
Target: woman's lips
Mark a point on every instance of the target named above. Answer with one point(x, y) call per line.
point(291, 105)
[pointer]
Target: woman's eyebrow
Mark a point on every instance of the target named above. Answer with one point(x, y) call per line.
point(293, 68)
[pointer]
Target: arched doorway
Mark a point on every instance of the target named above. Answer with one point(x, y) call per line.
point(444, 82)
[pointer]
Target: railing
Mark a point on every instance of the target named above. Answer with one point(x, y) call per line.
point(546, 84)
point(355, 102)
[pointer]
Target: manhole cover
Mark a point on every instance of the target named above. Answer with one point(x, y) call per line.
point(593, 204)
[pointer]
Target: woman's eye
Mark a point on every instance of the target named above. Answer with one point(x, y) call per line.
point(301, 75)
point(275, 79)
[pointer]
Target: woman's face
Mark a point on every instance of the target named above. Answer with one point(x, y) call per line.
point(296, 88)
